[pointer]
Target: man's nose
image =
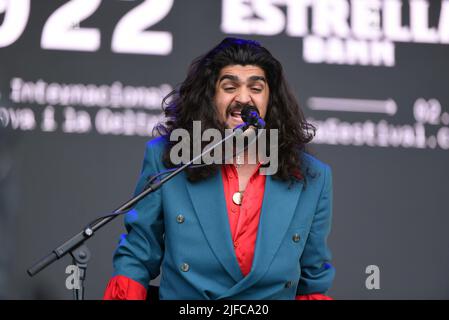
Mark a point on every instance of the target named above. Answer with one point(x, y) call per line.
point(243, 97)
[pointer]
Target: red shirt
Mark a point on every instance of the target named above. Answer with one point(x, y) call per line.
point(244, 218)
point(243, 221)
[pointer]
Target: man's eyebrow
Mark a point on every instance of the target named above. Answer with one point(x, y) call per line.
point(236, 79)
point(257, 78)
point(229, 77)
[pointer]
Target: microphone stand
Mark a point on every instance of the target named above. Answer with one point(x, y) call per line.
point(76, 246)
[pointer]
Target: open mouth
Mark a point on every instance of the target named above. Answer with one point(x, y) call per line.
point(235, 113)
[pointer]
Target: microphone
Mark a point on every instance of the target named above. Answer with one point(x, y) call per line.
point(250, 115)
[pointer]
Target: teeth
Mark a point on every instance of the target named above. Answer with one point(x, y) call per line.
point(235, 112)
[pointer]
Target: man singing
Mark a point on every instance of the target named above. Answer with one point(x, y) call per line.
point(228, 231)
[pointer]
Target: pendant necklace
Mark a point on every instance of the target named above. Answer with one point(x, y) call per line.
point(237, 198)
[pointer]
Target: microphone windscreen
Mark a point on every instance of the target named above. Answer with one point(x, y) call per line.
point(247, 113)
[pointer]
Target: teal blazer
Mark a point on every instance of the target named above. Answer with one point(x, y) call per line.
point(182, 230)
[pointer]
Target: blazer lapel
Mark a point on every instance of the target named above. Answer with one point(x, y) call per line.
point(278, 208)
point(210, 207)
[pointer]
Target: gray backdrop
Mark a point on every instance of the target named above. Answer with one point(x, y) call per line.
point(80, 88)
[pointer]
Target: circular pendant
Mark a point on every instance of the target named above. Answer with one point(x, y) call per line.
point(237, 198)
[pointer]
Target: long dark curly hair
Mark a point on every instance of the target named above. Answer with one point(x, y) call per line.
point(194, 101)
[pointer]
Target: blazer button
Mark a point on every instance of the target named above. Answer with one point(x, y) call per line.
point(185, 267)
point(296, 237)
point(288, 284)
point(180, 218)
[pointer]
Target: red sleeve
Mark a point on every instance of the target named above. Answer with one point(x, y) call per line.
point(124, 288)
point(313, 296)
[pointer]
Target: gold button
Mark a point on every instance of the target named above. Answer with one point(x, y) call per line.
point(185, 267)
point(180, 218)
point(296, 237)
